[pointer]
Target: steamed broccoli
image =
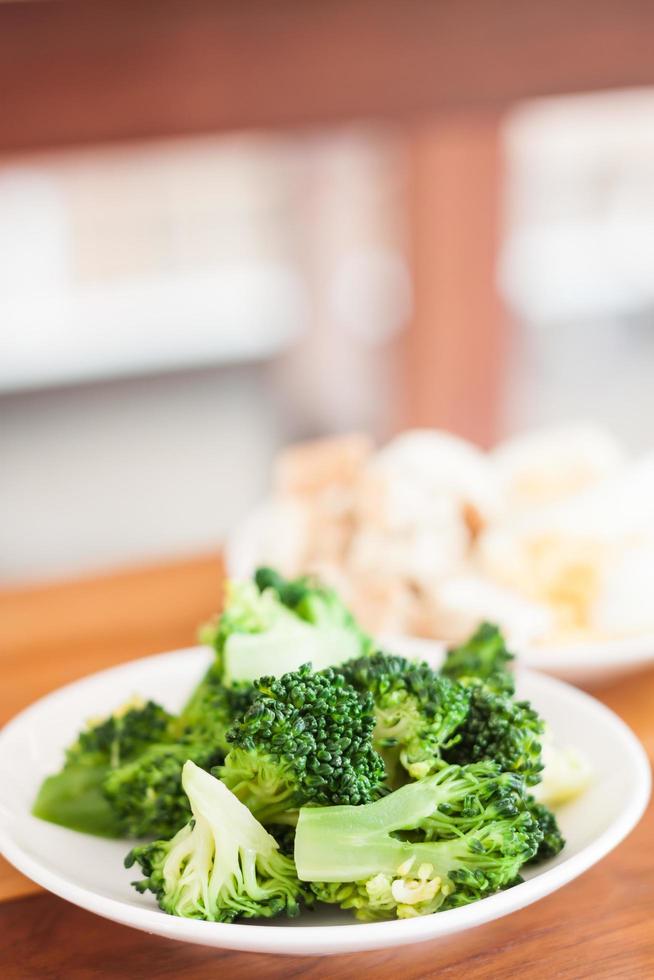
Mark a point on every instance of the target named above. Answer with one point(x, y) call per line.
point(211, 710)
point(75, 797)
point(221, 865)
point(122, 777)
point(553, 841)
point(500, 729)
point(417, 711)
point(146, 794)
point(314, 603)
point(270, 626)
point(122, 735)
point(484, 657)
point(379, 859)
point(306, 738)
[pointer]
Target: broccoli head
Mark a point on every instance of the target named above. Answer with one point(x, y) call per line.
point(484, 657)
point(211, 710)
point(553, 841)
point(146, 793)
point(314, 603)
point(221, 865)
point(306, 738)
point(417, 711)
point(122, 777)
point(122, 735)
point(499, 729)
point(258, 634)
point(380, 859)
point(75, 797)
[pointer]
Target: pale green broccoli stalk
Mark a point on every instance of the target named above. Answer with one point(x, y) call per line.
point(221, 865)
point(484, 657)
point(261, 632)
point(377, 859)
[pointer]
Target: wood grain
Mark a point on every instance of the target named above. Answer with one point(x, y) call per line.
point(80, 72)
point(599, 926)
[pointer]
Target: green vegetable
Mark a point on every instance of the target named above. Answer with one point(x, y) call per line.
point(314, 603)
point(75, 797)
point(501, 730)
point(146, 794)
point(484, 657)
point(306, 738)
point(273, 626)
point(221, 865)
point(379, 859)
point(417, 711)
point(122, 735)
point(553, 841)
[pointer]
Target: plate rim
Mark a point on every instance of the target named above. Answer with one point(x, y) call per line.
point(340, 938)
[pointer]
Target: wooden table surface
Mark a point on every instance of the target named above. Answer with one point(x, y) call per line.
point(600, 926)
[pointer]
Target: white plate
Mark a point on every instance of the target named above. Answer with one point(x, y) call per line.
point(587, 663)
point(88, 870)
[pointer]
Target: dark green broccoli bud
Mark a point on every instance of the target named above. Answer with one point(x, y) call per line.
point(290, 591)
point(146, 794)
point(222, 865)
point(284, 834)
point(306, 738)
point(314, 603)
point(211, 711)
point(379, 859)
point(553, 841)
point(417, 711)
point(484, 657)
point(472, 796)
point(75, 797)
point(501, 730)
point(122, 735)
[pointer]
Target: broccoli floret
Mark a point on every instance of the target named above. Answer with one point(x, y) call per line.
point(379, 860)
point(502, 730)
point(146, 794)
point(306, 738)
point(553, 841)
point(484, 657)
point(211, 711)
point(278, 627)
point(221, 865)
point(417, 711)
point(122, 735)
point(75, 797)
point(314, 603)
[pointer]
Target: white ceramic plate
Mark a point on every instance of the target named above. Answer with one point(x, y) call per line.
point(89, 872)
point(586, 663)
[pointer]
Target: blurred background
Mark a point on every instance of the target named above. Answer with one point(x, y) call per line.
point(175, 309)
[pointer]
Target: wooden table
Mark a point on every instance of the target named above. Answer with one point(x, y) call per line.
point(600, 926)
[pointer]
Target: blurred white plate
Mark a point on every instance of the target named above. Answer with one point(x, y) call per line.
point(585, 663)
point(88, 871)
